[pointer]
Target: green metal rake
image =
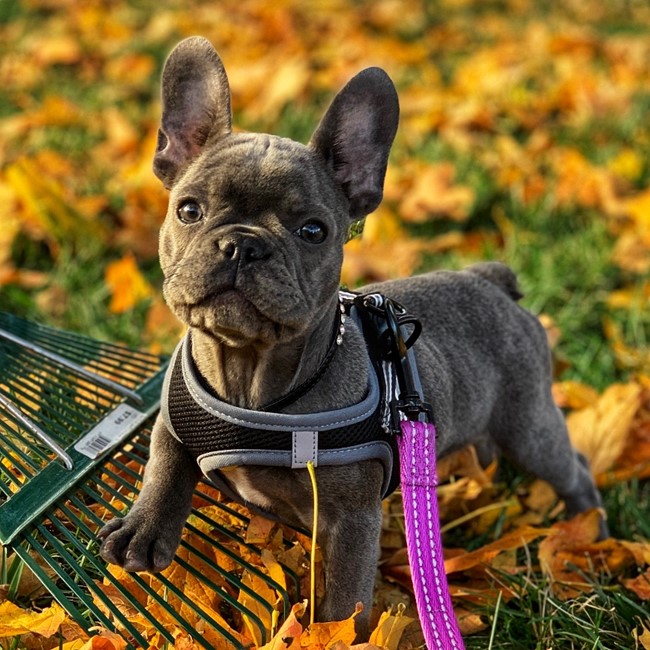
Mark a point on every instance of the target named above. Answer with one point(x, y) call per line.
point(75, 421)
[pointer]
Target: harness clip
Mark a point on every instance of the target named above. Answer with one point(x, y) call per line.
point(410, 403)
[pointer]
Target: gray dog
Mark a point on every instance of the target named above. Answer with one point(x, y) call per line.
point(251, 250)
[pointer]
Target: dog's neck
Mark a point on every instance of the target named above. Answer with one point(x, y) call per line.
point(253, 376)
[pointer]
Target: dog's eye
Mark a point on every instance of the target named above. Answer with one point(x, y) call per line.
point(312, 232)
point(189, 212)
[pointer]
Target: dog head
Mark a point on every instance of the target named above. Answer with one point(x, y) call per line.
point(252, 244)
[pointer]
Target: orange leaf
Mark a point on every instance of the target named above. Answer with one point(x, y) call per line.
point(274, 568)
point(640, 585)
point(485, 554)
point(571, 555)
point(288, 636)
point(434, 195)
point(104, 640)
point(127, 285)
point(259, 530)
point(574, 395)
point(185, 642)
point(324, 635)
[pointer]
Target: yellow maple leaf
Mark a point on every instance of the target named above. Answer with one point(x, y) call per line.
point(390, 628)
point(643, 638)
point(127, 284)
point(259, 599)
point(600, 430)
point(15, 620)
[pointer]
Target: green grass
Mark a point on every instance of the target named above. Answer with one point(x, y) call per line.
point(535, 620)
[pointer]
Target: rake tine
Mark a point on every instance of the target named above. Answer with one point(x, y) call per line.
point(13, 410)
point(74, 367)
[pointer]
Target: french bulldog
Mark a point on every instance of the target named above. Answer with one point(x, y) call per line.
point(251, 251)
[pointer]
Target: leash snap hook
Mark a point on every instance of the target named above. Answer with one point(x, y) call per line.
point(410, 403)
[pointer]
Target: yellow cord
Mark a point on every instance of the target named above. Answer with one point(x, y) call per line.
point(312, 568)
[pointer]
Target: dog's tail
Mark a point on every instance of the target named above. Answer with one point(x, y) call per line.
point(500, 275)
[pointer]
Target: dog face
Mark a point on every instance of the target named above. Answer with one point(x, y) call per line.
point(251, 247)
point(252, 243)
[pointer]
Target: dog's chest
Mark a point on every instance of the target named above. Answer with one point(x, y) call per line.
point(240, 481)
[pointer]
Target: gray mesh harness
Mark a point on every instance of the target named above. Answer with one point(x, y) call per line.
point(220, 435)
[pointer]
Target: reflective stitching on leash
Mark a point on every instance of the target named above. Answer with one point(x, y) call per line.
point(418, 542)
point(425, 548)
point(437, 559)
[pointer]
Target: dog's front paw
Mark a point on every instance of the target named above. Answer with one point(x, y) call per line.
point(137, 544)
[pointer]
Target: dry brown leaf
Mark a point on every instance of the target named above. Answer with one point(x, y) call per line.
point(469, 622)
point(541, 497)
point(640, 551)
point(464, 462)
point(320, 636)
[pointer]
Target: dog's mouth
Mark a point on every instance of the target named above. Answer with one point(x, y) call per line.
point(232, 317)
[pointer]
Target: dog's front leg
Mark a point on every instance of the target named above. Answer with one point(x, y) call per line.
point(349, 533)
point(146, 539)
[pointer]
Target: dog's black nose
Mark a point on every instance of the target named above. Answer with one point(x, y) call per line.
point(244, 247)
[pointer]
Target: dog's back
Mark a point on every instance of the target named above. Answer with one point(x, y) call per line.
point(481, 356)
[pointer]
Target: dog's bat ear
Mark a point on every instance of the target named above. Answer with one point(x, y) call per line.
point(355, 137)
point(195, 106)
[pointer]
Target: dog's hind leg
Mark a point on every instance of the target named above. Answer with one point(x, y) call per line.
point(535, 437)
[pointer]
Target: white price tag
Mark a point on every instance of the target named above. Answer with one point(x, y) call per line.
point(118, 424)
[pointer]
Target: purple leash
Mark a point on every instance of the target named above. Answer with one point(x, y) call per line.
point(395, 332)
point(417, 450)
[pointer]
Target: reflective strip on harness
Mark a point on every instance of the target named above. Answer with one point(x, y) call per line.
point(304, 449)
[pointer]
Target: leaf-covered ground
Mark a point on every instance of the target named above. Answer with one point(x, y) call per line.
point(524, 137)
